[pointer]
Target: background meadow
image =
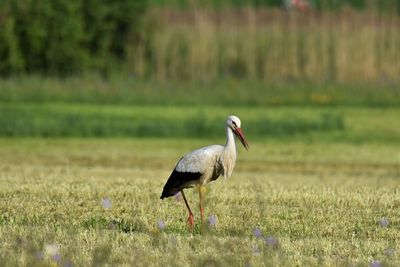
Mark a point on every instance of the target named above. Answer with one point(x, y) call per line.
point(98, 101)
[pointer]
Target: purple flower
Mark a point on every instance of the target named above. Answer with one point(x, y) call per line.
point(257, 232)
point(57, 257)
point(375, 264)
point(161, 224)
point(384, 222)
point(271, 241)
point(53, 251)
point(178, 196)
point(106, 203)
point(212, 220)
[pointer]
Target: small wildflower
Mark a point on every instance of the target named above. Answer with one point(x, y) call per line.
point(57, 257)
point(174, 241)
point(384, 222)
point(212, 220)
point(51, 249)
point(106, 203)
point(271, 241)
point(390, 252)
point(178, 196)
point(257, 232)
point(160, 224)
point(375, 264)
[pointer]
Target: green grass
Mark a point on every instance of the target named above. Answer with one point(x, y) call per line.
point(321, 201)
point(311, 124)
point(129, 90)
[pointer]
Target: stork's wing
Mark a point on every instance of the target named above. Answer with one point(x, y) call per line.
point(190, 168)
point(178, 181)
point(199, 160)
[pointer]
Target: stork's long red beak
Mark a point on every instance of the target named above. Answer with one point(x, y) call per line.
point(238, 131)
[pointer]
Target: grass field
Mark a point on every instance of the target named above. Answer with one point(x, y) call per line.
point(93, 202)
point(123, 89)
point(306, 124)
point(83, 159)
point(319, 185)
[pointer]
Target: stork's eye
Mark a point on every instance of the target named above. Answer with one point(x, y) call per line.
point(234, 123)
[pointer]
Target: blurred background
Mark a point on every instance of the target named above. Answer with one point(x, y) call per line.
point(291, 69)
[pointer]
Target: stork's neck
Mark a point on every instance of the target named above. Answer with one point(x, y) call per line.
point(228, 157)
point(230, 146)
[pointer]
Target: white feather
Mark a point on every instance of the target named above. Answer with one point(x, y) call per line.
point(200, 160)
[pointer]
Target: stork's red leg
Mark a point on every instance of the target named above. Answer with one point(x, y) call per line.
point(191, 217)
point(200, 188)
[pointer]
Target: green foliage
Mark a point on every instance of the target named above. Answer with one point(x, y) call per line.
point(126, 90)
point(73, 120)
point(354, 125)
point(63, 37)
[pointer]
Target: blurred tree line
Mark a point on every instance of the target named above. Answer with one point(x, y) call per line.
point(61, 37)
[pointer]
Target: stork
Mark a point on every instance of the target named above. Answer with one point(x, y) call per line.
point(203, 165)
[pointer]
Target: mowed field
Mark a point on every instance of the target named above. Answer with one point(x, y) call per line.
point(99, 100)
point(81, 202)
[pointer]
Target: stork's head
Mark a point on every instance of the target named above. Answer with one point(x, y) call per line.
point(234, 123)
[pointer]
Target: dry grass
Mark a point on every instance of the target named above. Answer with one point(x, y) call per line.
point(270, 45)
point(322, 203)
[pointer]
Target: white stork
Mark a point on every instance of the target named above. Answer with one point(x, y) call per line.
point(204, 165)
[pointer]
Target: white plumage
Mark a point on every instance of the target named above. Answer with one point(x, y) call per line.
point(200, 160)
point(205, 164)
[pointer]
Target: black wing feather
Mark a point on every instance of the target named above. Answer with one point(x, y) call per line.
point(178, 181)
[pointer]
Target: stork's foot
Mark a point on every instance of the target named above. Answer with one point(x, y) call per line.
point(191, 221)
